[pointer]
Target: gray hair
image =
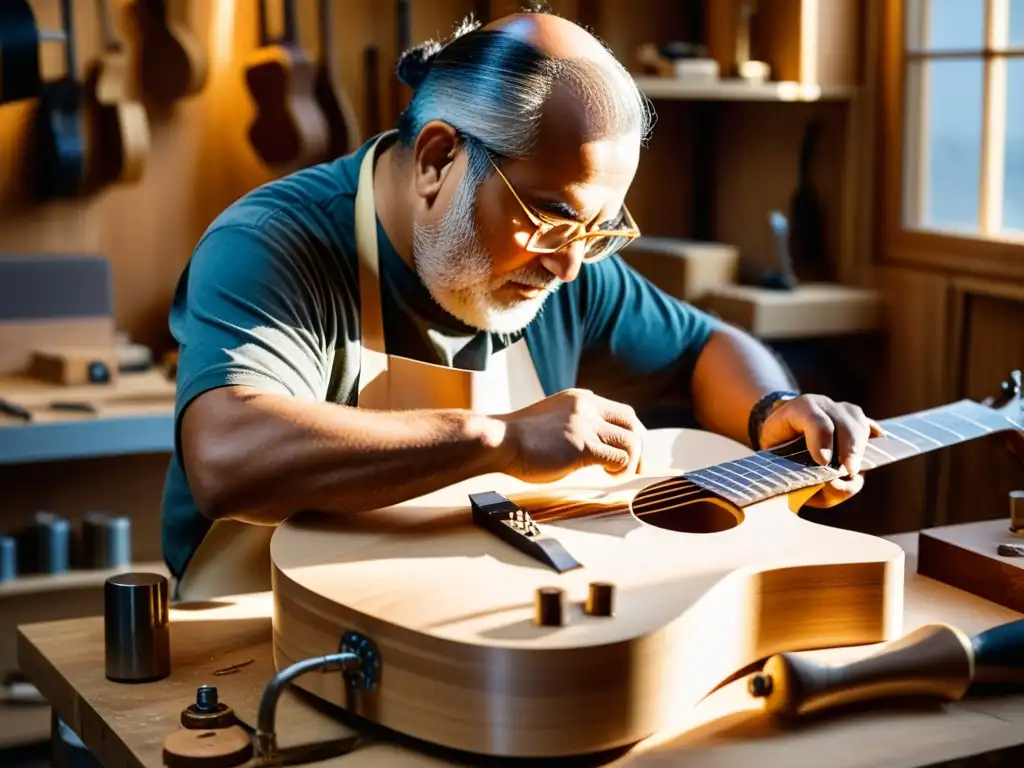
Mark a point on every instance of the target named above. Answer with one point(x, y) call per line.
point(492, 86)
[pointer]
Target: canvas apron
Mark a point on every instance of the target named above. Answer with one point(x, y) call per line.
point(234, 557)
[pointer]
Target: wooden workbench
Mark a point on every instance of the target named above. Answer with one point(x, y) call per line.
point(124, 725)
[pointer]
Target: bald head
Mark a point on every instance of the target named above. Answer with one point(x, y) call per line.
point(553, 35)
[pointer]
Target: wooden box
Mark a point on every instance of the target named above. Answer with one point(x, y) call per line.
point(970, 556)
point(685, 269)
point(71, 366)
point(810, 310)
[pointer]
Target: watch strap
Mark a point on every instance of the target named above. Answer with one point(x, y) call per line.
point(762, 409)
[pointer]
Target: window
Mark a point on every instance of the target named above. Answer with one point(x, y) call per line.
point(954, 129)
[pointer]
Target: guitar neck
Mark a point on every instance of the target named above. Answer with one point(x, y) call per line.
point(790, 467)
point(69, 39)
point(291, 23)
point(107, 34)
point(326, 31)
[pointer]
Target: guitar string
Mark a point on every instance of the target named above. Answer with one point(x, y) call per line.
point(693, 489)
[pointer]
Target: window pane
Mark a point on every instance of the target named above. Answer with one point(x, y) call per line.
point(946, 24)
point(1013, 178)
point(943, 144)
point(1016, 22)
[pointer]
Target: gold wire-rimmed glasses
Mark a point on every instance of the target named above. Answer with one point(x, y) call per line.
point(550, 236)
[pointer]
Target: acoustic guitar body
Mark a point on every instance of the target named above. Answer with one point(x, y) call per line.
point(464, 653)
point(342, 123)
point(289, 131)
point(123, 123)
point(172, 61)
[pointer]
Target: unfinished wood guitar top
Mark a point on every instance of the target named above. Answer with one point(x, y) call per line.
point(451, 608)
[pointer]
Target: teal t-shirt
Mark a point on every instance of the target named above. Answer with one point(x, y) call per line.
point(270, 299)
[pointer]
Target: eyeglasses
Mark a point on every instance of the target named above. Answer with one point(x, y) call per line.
point(550, 236)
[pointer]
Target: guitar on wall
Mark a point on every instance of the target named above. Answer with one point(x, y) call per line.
point(20, 76)
point(342, 122)
point(289, 130)
point(516, 620)
point(122, 126)
point(60, 144)
point(172, 60)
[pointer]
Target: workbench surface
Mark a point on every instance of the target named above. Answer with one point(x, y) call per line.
point(124, 725)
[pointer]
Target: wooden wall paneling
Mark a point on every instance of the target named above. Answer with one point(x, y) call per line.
point(757, 147)
point(827, 42)
point(911, 376)
point(987, 343)
point(857, 253)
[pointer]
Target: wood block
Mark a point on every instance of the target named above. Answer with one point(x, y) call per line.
point(71, 366)
point(685, 269)
point(810, 310)
point(967, 556)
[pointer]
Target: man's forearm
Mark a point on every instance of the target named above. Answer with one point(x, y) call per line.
point(260, 458)
point(733, 372)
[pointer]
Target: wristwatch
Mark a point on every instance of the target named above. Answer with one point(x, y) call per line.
point(762, 409)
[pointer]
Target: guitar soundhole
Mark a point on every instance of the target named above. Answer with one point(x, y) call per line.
point(679, 505)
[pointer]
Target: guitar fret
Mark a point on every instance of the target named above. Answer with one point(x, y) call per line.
point(704, 478)
point(743, 475)
point(912, 438)
point(964, 428)
point(734, 485)
point(926, 427)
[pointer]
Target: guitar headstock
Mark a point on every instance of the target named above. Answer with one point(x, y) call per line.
point(1010, 404)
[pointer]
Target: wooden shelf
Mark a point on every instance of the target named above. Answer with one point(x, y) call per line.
point(35, 584)
point(21, 443)
point(23, 724)
point(669, 88)
point(811, 310)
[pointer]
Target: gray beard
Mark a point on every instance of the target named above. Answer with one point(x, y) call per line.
point(456, 270)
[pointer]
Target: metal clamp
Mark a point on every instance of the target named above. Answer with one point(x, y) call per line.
point(359, 663)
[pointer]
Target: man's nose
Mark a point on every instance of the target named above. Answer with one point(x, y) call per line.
point(566, 262)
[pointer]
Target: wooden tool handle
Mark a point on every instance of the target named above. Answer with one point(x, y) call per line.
point(935, 660)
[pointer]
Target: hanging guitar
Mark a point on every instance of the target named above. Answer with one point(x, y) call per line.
point(172, 60)
point(289, 131)
point(342, 123)
point(60, 145)
point(122, 127)
point(20, 76)
point(517, 620)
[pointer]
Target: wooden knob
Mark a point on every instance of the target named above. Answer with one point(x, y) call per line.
point(1017, 510)
point(935, 660)
point(601, 599)
point(549, 603)
point(212, 748)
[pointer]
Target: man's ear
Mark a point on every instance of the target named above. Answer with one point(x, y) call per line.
point(433, 155)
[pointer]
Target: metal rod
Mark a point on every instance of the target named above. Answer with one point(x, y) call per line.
point(266, 736)
point(52, 36)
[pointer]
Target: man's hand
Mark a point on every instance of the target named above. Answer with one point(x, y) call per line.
point(818, 419)
point(570, 430)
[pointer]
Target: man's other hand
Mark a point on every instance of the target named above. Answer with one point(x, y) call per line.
point(570, 430)
point(823, 422)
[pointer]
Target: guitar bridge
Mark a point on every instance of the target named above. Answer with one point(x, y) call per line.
point(511, 523)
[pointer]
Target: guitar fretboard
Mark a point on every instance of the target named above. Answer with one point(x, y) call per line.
point(790, 467)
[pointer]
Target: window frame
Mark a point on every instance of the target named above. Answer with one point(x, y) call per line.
point(944, 251)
